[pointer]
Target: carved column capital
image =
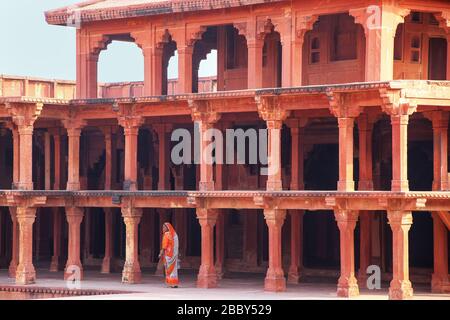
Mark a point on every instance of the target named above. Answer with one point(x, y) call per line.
point(342, 105)
point(24, 115)
point(207, 217)
point(394, 103)
point(203, 111)
point(271, 111)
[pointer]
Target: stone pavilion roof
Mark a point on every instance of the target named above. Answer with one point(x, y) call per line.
point(98, 10)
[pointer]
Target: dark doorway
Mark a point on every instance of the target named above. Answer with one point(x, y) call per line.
point(437, 65)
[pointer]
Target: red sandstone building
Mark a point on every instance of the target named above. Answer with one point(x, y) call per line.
point(352, 92)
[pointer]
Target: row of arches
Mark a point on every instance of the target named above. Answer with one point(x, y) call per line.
point(333, 52)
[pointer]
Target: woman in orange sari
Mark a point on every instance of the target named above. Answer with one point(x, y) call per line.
point(169, 252)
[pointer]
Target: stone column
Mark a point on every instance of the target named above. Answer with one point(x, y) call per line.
point(220, 245)
point(47, 155)
point(346, 182)
point(108, 157)
point(106, 264)
point(15, 243)
point(204, 119)
point(286, 45)
point(74, 128)
point(365, 128)
point(347, 284)
point(74, 218)
point(439, 120)
point(273, 114)
point(303, 25)
point(185, 54)
point(400, 153)
point(16, 157)
point(296, 266)
point(297, 163)
point(25, 273)
point(440, 280)
point(275, 280)
point(400, 222)
point(26, 156)
point(207, 277)
point(54, 264)
point(380, 25)
point(132, 270)
point(163, 156)
point(131, 126)
point(255, 62)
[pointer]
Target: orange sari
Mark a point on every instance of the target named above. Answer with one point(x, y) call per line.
point(170, 246)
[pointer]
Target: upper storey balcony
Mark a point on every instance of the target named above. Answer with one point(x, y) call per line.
point(281, 44)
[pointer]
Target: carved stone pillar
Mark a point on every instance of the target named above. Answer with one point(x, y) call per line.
point(275, 280)
point(399, 110)
point(271, 111)
point(54, 265)
point(303, 24)
point(440, 282)
point(25, 273)
point(15, 243)
point(205, 118)
point(74, 217)
point(106, 264)
point(207, 277)
point(400, 222)
point(347, 284)
point(380, 25)
point(131, 126)
point(26, 156)
point(132, 270)
point(74, 128)
point(255, 62)
point(185, 54)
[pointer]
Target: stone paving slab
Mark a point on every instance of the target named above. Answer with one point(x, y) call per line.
point(240, 287)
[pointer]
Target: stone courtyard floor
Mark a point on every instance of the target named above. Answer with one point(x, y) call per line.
point(234, 287)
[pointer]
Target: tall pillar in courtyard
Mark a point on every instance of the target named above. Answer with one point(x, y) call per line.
point(399, 109)
point(273, 114)
point(255, 44)
point(73, 127)
point(365, 183)
point(440, 282)
point(132, 270)
point(207, 277)
point(25, 272)
point(296, 127)
point(15, 243)
point(74, 267)
point(345, 114)
point(24, 116)
point(347, 284)
point(204, 118)
point(380, 24)
point(106, 264)
point(400, 222)
point(303, 24)
point(131, 126)
point(275, 280)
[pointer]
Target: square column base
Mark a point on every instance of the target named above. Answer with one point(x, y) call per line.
point(400, 290)
point(439, 285)
point(347, 287)
point(275, 284)
point(73, 272)
point(54, 265)
point(207, 281)
point(131, 275)
point(25, 275)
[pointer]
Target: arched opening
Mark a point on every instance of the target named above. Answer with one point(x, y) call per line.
point(420, 48)
point(203, 50)
point(334, 51)
point(121, 68)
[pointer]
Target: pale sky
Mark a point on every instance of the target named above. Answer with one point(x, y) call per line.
point(31, 47)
